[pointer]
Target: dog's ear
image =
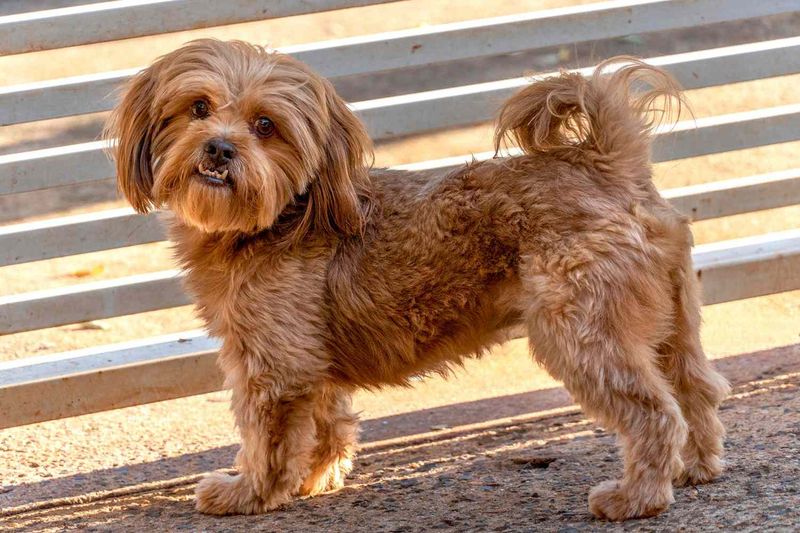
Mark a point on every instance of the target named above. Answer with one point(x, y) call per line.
point(130, 130)
point(338, 199)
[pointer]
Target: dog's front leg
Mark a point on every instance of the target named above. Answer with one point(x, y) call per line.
point(278, 440)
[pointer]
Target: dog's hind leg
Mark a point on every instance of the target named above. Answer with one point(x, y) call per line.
point(337, 432)
point(591, 329)
point(697, 386)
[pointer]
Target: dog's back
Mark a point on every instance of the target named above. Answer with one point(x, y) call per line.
point(441, 257)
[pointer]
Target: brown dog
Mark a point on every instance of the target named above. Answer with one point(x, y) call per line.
point(322, 275)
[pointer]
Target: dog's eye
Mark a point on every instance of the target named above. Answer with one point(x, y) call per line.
point(200, 109)
point(264, 127)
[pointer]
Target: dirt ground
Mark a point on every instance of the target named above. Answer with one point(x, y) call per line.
point(506, 451)
point(518, 462)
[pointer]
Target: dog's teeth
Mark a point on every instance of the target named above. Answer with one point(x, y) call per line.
point(212, 173)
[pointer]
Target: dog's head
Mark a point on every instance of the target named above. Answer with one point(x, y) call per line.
point(229, 135)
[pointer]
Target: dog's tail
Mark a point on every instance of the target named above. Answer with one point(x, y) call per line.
point(607, 118)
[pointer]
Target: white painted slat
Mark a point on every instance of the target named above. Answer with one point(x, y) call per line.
point(460, 106)
point(123, 19)
point(116, 228)
point(73, 383)
point(736, 131)
point(452, 162)
point(749, 267)
point(77, 234)
point(735, 196)
point(63, 97)
point(89, 301)
point(421, 46)
point(54, 167)
point(733, 64)
point(109, 377)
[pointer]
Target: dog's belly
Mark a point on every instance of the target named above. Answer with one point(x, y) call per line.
point(434, 280)
point(407, 308)
point(390, 347)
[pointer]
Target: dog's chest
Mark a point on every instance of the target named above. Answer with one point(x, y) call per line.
point(261, 299)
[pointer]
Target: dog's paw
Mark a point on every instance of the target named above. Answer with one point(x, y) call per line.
point(221, 494)
point(612, 501)
point(327, 479)
point(700, 471)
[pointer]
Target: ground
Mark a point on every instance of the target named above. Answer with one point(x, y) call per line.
point(499, 446)
point(522, 462)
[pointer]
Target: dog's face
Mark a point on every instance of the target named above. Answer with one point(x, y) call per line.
point(228, 135)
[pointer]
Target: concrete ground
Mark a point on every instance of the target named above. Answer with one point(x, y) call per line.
point(515, 462)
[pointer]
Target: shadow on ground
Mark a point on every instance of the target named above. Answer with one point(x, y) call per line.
point(495, 475)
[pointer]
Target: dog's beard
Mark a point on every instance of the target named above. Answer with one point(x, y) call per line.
point(252, 197)
point(209, 208)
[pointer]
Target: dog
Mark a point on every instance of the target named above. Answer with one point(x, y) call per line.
point(323, 275)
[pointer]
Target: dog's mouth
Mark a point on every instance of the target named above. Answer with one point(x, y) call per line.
point(214, 178)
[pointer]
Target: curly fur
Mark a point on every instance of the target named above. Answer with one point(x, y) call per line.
point(322, 275)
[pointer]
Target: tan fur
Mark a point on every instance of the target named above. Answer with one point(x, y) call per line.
point(322, 275)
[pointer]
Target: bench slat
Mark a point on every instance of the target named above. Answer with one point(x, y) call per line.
point(749, 267)
point(64, 97)
point(90, 301)
point(416, 47)
point(54, 167)
point(110, 377)
point(417, 113)
point(758, 128)
point(107, 377)
point(736, 131)
point(77, 234)
point(110, 21)
point(117, 228)
point(736, 196)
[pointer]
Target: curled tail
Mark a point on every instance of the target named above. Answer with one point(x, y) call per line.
point(606, 118)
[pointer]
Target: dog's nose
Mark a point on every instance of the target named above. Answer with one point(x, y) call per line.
point(220, 151)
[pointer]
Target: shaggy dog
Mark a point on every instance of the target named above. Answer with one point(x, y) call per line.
point(322, 275)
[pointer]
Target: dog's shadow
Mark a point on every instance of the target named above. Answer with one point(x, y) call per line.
point(373, 431)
